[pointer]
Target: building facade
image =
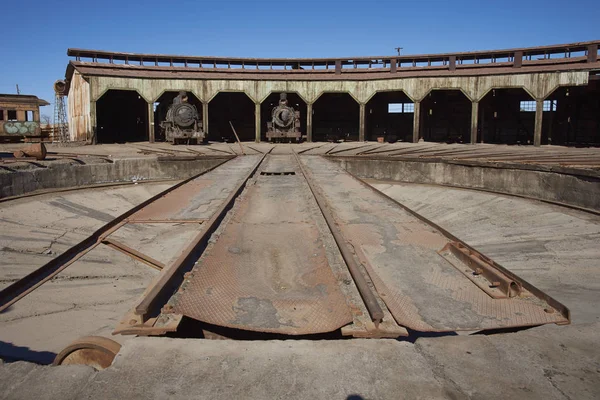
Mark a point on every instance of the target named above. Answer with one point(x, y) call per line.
point(541, 95)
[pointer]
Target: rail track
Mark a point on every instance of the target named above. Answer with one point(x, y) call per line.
point(297, 246)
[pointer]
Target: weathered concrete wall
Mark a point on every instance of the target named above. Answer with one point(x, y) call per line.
point(80, 125)
point(579, 191)
point(71, 175)
point(539, 85)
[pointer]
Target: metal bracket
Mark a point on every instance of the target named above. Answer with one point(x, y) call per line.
point(480, 271)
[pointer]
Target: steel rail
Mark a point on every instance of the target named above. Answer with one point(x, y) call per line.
point(42, 192)
point(133, 253)
point(19, 289)
point(161, 288)
point(310, 148)
point(370, 146)
point(523, 283)
point(362, 285)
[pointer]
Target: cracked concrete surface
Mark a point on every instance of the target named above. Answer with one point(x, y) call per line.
point(552, 247)
point(91, 295)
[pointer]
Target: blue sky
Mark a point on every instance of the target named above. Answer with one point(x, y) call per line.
point(36, 33)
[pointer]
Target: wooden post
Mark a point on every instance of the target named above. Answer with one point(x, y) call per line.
point(474, 120)
point(309, 115)
point(518, 59)
point(539, 116)
point(592, 53)
point(452, 63)
point(205, 119)
point(361, 123)
point(93, 134)
point(416, 121)
point(338, 67)
point(257, 120)
point(237, 138)
point(151, 137)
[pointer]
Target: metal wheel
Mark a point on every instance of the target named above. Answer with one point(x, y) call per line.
point(96, 351)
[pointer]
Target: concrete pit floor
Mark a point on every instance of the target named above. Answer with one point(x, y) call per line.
point(554, 248)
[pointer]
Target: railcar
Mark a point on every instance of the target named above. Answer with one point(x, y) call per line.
point(182, 122)
point(285, 122)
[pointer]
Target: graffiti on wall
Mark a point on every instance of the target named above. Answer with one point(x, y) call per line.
point(20, 128)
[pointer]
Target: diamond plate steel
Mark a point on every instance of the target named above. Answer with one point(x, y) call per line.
point(198, 198)
point(422, 289)
point(268, 270)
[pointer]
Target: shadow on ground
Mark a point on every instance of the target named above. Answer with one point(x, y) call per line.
point(9, 352)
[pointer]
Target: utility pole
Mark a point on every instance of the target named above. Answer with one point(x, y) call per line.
point(398, 49)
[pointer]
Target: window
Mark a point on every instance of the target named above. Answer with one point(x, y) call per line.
point(529, 106)
point(28, 116)
point(549, 105)
point(12, 115)
point(1, 115)
point(398, 108)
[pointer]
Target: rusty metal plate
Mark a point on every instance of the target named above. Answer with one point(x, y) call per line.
point(423, 290)
point(268, 270)
point(196, 199)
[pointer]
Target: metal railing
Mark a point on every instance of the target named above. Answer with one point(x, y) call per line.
point(564, 53)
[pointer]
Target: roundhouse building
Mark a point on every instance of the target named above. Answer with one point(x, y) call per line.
point(539, 95)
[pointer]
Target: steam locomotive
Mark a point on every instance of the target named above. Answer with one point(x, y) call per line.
point(182, 122)
point(285, 122)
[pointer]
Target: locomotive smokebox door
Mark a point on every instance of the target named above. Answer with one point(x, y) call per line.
point(184, 114)
point(285, 122)
point(182, 122)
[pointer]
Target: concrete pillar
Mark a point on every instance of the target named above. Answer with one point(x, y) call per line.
point(257, 120)
point(362, 123)
point(309, 115)
point(537, 131)
point(205, 118)
point(151, 137)
point(416, 122)
point(474, 121)
point(93, 134)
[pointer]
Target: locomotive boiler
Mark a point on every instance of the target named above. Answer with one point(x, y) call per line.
point(285, 122)
point(182, 122)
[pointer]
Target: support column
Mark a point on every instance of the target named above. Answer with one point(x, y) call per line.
point(151, 137)
point(205, 119)
point(309, 115)
point(416, 121)
point(361, 123)
point(474, 121)
point(257, 120)
point(93, 134)
point(539, 114)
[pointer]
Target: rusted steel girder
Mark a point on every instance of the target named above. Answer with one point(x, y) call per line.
point(355, 270)
point(160, 290)
point(133, 253)
point(268, 271)
point(464, 247)
point(424, 289)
